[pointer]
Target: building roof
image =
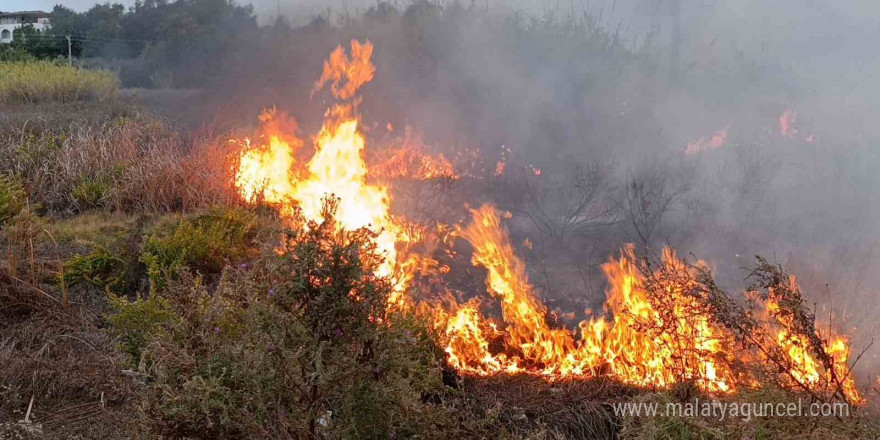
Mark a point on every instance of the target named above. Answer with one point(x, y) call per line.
point(37, 14)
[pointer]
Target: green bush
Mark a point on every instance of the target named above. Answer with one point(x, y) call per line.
point(12, 197)
point(90, 193)
point(99, 268)
point(135, 322)
point(294, 346)
point(204, 244)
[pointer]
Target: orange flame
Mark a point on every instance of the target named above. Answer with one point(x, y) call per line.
point(647, 341)
point(410, 162)
point(532, 346)
point(336, 169)
point(718, 140)
point(787, 121)
point(644, 340)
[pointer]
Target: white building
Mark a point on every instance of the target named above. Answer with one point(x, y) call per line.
point(10, 21)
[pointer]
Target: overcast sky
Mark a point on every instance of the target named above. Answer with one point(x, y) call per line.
point(263, 7)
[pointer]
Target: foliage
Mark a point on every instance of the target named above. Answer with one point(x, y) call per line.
point(12, 197)
point(36, 82)
point(135, 322)
point(91, 192)
point(191, 36)
point(100, 268)
point(296, 346)
point(147, 164)
point(10, 52)
point(204, 244)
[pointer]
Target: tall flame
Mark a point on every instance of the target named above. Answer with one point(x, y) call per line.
point(658, 330)
point(634, 356)
point(336, 169)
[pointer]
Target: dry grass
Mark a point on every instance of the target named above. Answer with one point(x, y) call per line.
point(128, 163)
point(35, 82)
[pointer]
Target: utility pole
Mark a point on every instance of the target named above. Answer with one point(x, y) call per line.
point(69, 53)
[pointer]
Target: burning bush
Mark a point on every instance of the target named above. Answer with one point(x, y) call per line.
point(296, 345)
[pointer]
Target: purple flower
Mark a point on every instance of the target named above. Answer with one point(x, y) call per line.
point(217, 330)
point(271, 292)
point(243, 265)
point(338, 332)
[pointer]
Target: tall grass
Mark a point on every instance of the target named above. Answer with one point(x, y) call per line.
point(42, 81)
point(131, 163)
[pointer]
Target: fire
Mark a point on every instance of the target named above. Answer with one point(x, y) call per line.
point(527, 331)
point(677, 339)
point(632, 355)
point(336, 169)
point(718, 140)
point(412, 162)
point(789, 127)
point(806, 369)
point(266, 171)
point(658, 328)
point(787, 121)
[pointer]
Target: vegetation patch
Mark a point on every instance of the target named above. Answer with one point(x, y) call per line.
point(12, 197)
point(203, 243)
point(99, 268)
point(43, 81)
point(91, 192)
point(278, 355)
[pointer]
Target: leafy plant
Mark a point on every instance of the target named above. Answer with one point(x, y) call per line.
point(204, 244)
point(294, 346)
point(91, 192)
point(100, 268)
point(12, 197)
point(135, 322)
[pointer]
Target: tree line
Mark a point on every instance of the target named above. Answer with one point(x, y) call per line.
point(182, 34)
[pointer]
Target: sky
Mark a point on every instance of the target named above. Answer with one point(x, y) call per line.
point(265, 8)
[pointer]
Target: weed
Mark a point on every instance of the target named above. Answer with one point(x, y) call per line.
point(136, 321)
point(99, 268)
point(91, 193)
point(12, 197)
point(40, 81)
point(204, 243)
